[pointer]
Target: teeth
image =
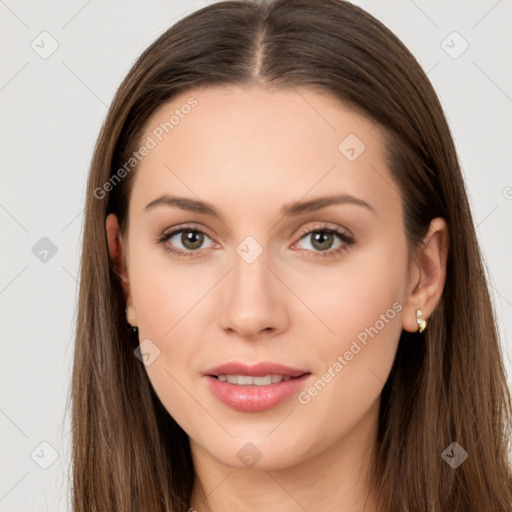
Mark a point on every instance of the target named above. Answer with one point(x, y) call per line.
point(247, 380)
point(261, 381)
point(243, 380)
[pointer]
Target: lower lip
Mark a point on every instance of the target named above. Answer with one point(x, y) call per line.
point(254, 398)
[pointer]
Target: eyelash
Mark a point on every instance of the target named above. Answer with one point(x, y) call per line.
point(330, 253)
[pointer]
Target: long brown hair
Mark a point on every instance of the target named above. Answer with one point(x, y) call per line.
point(447, 385)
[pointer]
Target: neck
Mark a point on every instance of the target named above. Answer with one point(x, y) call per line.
point(336, 479)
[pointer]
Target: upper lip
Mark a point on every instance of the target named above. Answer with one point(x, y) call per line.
point(255, 370)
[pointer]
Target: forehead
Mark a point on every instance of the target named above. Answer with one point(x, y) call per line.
point(246, 144)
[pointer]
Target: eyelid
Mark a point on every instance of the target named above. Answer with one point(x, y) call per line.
point(168, 233)
point(319, 226)
point(327, 226)
point(342, 234)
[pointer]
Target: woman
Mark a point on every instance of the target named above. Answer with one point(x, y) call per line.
point(283, 304)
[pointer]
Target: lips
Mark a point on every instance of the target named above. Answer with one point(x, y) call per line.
point(247, 380)
point(255, 370)
point(254, 388)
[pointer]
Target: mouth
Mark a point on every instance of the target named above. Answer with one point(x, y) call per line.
point(248, 380)
point(254, 388)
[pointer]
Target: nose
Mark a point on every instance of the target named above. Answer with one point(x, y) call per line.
point(255, 300)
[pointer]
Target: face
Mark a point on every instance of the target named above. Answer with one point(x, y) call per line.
point(267, 267)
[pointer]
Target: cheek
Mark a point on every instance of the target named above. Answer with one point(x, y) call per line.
point(165, 293)
point(362, 295)
point(362, 304)
point(167, 301)
point(171, 303)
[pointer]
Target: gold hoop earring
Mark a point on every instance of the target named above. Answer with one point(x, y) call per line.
point(131, 328)
point(421, 323)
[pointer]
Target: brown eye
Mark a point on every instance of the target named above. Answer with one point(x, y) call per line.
point(192, 239)
point(321, 240)
point(325, 241)
point(186, 241)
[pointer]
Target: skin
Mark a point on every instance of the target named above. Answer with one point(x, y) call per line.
point(248, 152)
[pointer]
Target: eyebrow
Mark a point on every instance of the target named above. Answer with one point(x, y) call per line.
point(293, 209)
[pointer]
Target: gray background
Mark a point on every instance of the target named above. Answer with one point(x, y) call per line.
point(52, 109)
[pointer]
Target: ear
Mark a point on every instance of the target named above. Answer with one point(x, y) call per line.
point(118, 258)
point(427, 274)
